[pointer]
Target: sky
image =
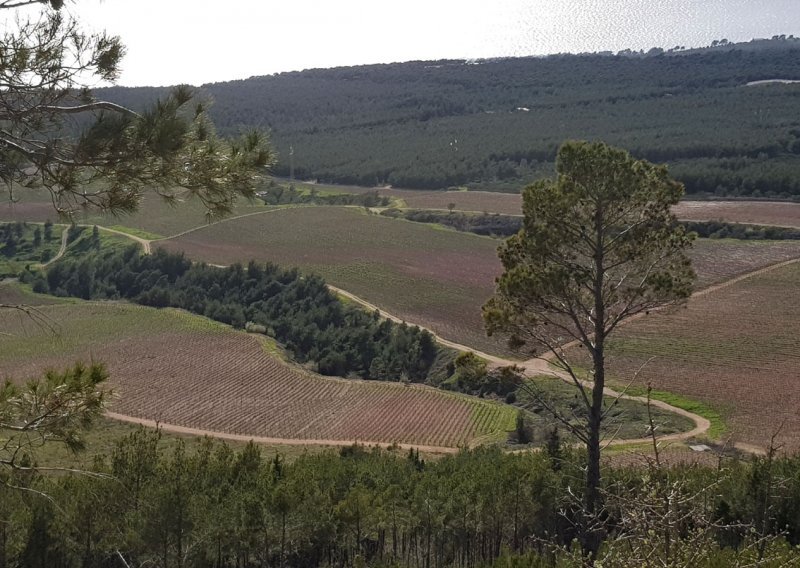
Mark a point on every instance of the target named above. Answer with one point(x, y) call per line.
point(197, 41)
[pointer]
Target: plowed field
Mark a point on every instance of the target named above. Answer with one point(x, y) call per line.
point(736, 349)
point(180, 369)
point(752, 212)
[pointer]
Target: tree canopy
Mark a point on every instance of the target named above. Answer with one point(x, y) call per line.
point(88, 152)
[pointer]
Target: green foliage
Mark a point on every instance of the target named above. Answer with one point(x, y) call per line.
point(599, 245)
point(494, 224)
point(58, 407)
point(521, 429)
point(279, 194)
point(497, 225)
point(21, 245)
point(57, 134)
point(223, 507)
point(602, 231)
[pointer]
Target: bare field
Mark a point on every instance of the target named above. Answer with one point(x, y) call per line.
point(180, 369)
point(480, 201)
point(736, 350)
point(776, 213)
point(426, 275)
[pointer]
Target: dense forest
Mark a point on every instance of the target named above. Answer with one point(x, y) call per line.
point(297, 310)
point(496, 124)
point(144, 505)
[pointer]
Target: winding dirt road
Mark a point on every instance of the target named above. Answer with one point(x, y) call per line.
point(60, 253)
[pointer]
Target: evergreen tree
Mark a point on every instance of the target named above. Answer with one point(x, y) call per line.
point(599, 245)
point(58, 134)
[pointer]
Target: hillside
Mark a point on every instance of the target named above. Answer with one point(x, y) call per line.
point(495, 124)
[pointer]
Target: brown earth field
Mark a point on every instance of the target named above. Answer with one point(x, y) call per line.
point(768, 213)
point(175, 368)
point(780, 214)
point(736, 349)
point(433, 277)
point(478, 201)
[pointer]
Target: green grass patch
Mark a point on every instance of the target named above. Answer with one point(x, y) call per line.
point(493, 421)
point(627, 420)
point(718, 427)
point(69, 327)
point(101, 439)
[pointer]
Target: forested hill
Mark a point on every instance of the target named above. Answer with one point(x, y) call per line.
point(495, 124)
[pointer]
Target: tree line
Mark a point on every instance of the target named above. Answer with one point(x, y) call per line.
point(298, 310)
point(145, 505)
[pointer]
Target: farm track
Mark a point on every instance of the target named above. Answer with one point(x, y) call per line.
point(175, 429)
point(535, 366)
point(60, 253)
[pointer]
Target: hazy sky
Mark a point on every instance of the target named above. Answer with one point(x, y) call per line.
point(198, 41)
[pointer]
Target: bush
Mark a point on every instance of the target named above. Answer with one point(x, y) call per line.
point(252, 327)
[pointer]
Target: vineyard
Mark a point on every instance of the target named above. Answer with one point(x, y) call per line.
point(718, 260)
point(769, 213)
point(735, 350)
point(175, 368)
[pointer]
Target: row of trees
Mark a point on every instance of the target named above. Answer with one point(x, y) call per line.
point(297, 310)
point(145, 505)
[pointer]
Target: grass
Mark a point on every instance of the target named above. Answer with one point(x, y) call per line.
point(74, 327)
point(718, 427)
point(101, 439)
point(628, 419)
point(493, 421)
point(136, 232)
point(25, 253)
point(156, 218)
